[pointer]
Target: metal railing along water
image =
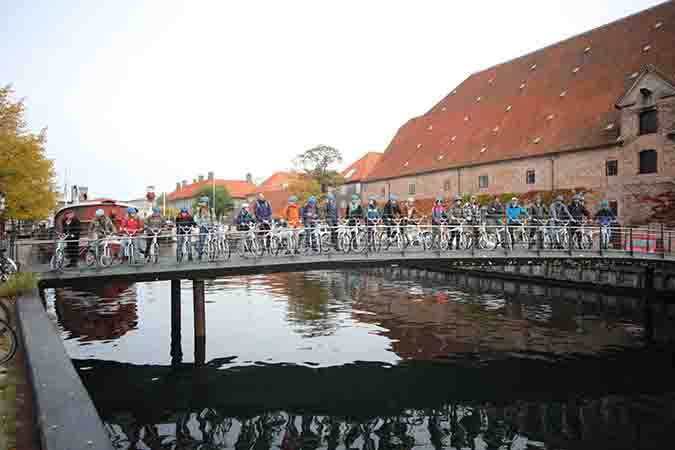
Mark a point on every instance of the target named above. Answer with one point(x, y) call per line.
point(320, 240)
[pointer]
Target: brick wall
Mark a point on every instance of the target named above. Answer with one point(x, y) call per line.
point(582, 169)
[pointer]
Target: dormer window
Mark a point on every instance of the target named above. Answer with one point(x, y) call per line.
point(648, 122)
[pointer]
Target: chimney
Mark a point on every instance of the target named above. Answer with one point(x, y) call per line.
point(184, 184)
point(249, 178)
point(178, 186)
point(210, 176)
point(200, 178)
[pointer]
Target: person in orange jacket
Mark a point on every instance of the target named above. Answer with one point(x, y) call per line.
point(291, 213)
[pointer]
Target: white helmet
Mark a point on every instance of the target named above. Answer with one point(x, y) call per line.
point(244, 205)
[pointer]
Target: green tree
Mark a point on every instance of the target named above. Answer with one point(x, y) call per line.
point(223, 204)
point(27, 176)
point(315, 163)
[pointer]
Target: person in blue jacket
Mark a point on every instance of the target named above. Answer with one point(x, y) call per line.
point(310, 217)
point(244, 219)
point(514, 215)
point(330, 215)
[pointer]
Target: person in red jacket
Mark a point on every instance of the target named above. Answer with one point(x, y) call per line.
point(131, 226)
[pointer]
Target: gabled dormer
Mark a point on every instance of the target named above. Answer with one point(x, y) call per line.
point(649, 87)
point(643, 106)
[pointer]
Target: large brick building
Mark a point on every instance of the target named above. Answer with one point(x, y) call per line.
point(595, 112)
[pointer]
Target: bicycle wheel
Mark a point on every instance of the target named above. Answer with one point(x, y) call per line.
point(345, 240)
point(57, 260)
point(325, 243)
point(258, 246)
point(106, 258)
point(154, 252)
point(90, 257)
point(8, 342)
point(586, 242)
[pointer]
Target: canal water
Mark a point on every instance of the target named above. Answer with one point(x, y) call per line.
point(373, 359)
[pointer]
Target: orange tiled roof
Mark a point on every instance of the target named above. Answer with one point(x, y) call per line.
point(236, 188)
point(276, 181)
point(558, 98)
point(360, 169)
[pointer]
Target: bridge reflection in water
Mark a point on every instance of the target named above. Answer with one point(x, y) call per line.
point(377, 359)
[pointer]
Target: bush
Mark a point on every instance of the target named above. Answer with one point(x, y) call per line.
point(18, 284)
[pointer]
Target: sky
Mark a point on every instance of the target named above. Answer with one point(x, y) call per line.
point(137, 93)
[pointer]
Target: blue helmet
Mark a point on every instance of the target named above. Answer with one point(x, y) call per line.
point(292, 199)
point(155, 210)
point(330, 196)
point(372, 198)
point(99, 212)
point(393, 197)
point(355, 198)
point(131, 210)
point(311, 200)
point(183, 209)
point(204, 200)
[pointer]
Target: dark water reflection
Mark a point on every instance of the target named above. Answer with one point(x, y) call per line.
point(375, 360)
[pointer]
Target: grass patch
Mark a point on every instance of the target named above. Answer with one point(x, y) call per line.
point(18, 284)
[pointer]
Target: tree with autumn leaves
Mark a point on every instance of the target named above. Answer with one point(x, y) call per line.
point(26, 175)
point(315, 175)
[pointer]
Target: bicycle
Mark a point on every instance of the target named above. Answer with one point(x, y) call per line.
point(129, 246)
point(58, 259)
point(519, 232)
point(583, 237)
point(7, 266)
point(249, 243)
point(8, 342)
point(107, 256)
point(371, 240)
point(184, 245)
point(153, 250)
point(606, 234)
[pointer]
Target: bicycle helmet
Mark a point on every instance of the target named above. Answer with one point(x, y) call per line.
point(330, 197)
point(393, 197)
point(244, 206)
point(292, 199)
point(372, 198)
point(131, 210)
point(604, 204)
point(411, 200)
point(355, 197)
point(559, 198)
point(155, 210)
point(184, 210)
point(99, 212)
point(457, 198)
point(204, 200)
point(311, 200)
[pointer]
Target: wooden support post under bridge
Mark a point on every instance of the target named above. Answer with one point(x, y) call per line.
point(200, 322)
point(176, 346)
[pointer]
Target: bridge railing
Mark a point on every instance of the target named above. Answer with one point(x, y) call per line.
point(654, 240)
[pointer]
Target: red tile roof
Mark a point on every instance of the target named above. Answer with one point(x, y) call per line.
point(360, 169)
point(276, 181)
point(558, 98)
point(236, 188)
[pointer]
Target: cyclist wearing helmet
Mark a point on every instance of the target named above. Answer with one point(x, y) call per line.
point(438, 218)
point(409, 212)
point(291, 213)
point(131, 224)
point(456, 213)
point(354, 212)
point(100, 226)
point(244, 219)
point(184, 224)
point(558, 212)
point(372, 215)
point(390, 213)
point(310, 217)
point(605, 218)
point(204, 221)
point(154, 222)
point(579, 213)
point(72, 227)
point(330, 214)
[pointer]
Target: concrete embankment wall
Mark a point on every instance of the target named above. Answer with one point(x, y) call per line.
point(595, 276)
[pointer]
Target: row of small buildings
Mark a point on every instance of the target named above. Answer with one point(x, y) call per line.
point(593, 113)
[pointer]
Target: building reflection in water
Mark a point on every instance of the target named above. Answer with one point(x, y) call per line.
point(103, 313)
point(607, 423)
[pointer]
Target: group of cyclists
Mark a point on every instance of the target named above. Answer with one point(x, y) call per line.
point(313, 213)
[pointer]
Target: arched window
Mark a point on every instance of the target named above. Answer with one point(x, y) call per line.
point(648, 161)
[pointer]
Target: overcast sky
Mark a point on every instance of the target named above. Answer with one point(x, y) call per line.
point(138, 93)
